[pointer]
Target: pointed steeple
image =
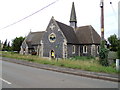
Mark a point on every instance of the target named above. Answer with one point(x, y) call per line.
point(73, 14)
point(73, 19)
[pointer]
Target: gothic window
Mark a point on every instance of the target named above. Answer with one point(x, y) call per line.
point(85, 49)
point(65, 51)
point(73, 49)
point(98, 48)
point(52, 37)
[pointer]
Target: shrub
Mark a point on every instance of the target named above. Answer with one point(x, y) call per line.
point(118, 49)
point(103, 54)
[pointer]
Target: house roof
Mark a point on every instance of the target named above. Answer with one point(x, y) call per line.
point(87, 35)
point(68, 33)
point(82, 35)
point(33, 38)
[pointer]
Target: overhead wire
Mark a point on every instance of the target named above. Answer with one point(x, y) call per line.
point(115, 14)
point(29, 15)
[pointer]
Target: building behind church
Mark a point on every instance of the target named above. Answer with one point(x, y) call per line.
point(63, 41)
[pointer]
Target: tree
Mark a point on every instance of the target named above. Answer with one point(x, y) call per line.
point(113, 40)
point(8, 47)
point(5, 46)
point(16, 43)
point(103, 54)
point(118, 52)
point(0, 45)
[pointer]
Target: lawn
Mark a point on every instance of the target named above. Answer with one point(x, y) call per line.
point(83, 63)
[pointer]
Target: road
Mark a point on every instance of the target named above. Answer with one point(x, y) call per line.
point(20, 76)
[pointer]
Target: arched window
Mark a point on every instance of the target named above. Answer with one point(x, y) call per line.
point(52, 37)
point(65, 51)
point(84, 49)
point(73, 49)
point(98, 48)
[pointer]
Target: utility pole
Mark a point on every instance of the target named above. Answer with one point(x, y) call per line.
point(102, 19)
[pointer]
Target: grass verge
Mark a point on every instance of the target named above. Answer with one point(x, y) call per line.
point(83, 63)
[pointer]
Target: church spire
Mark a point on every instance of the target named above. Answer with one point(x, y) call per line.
point(73, 19)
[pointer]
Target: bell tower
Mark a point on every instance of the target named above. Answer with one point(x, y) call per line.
point(73, 19)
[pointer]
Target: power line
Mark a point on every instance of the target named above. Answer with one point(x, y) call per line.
point(29, 15)
point(115, 14)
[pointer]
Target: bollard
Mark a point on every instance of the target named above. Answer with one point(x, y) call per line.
point(117, 64)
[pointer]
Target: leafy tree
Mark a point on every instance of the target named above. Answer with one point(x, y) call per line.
point(113, 40)
point(103, 54)
point(119, 49)
point(16, 43)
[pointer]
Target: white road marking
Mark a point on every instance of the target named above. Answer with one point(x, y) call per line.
point(5, 81)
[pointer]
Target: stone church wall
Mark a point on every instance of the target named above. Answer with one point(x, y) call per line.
point(70, 50)
point(56, 46)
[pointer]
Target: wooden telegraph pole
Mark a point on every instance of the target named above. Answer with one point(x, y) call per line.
point(102, 19)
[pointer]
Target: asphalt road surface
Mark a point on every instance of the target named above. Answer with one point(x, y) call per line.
point(20, 76)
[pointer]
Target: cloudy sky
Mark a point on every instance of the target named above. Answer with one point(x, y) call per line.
point(87, 11)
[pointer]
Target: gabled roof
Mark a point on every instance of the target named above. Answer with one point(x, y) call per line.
point(82, 35)
point(33, 38)
point(23, 44)
point(68, 33)
point(73, 14)
point(87, 35)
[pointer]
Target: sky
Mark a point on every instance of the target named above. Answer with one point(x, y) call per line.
point(87, 12)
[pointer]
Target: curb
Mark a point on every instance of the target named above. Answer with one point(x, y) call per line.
point(103, 76)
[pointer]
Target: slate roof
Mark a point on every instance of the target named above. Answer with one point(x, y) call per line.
point(73, 14)
point(82, 35)
point(68, 33)
point(33, 38)
point(87, 35)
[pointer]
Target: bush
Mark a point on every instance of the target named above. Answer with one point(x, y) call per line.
point(103, 54)
point(118, 49)
point(112, 55)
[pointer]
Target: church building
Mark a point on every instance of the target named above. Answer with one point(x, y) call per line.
point(63, 41)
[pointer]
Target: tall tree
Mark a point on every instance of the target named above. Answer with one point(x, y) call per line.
point(5, 46)
point(113, 40)
point(5, 43)
point(8, 46)
point(16, 43)
point(0, 45)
